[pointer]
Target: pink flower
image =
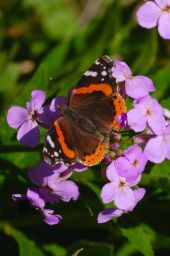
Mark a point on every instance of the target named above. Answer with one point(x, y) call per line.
point(158, 148)
point(110, 213)
point(153, 13)
point(132, 164)
point(147, 112)
point(27, 120)
point(119, 190)
point(37, 201)
point(135, 86)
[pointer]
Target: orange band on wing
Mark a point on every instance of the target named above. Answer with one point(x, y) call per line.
point(95, 158)
point(68, 152)
point(105, 88)
point(120, 108)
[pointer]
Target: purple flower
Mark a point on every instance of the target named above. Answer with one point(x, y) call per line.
point(27, 119)
point(158, 148)
point(37, 201)
point(119, 190)
point(58, 101)
point(111, 213)
point(135, 86)
point(147, 112)
point(53, 184)
point(153, 13)
point(132, 164)
point(53, 187)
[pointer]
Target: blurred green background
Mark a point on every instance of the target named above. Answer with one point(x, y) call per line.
point(48, 45)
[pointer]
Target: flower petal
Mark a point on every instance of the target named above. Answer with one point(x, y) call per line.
point(157, 123)
point(155, 149)
point(37, 100)
point(108, 214)
point(111, 172)
point(124, 199)
point(163, 3)
point(120, 70)
point(78, 167)
point(66, 189)
point(17, 116)
point(138, 86)
point(50, 218)
point(28, 134)
point(163, 25)
point(136, 157)
point(46, 117)
point(167, 138)
point(108, 192)
point(148, 15)
point(38, 174)
point(125, 168)
point(168, 150)
point(133, 153)
point(35, 199)
point(19, 197)
point(136, 120)
point(139, 194)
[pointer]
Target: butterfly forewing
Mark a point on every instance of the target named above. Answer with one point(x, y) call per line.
point(59, 146)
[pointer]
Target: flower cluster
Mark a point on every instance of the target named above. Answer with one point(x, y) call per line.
point(53, 187)
point(151, 142)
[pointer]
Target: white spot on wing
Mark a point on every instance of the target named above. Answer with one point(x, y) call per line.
point(56, 154)
point(50, 141)
point(90, 73)
point(104, 73)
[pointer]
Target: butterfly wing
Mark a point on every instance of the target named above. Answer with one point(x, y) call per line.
point(98, 78)
point(59, 146)
point(68, 143)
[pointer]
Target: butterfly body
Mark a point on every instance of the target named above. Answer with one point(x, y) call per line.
point(82, 132)
point(73, 116)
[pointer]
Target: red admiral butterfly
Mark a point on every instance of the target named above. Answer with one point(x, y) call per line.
point(82, 133)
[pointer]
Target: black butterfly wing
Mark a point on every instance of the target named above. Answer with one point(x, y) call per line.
point(68, 143)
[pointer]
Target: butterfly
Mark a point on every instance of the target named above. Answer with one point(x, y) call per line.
point(82, 132)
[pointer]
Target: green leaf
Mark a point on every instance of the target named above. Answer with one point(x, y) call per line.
point(26, 246)
point(139, 239)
